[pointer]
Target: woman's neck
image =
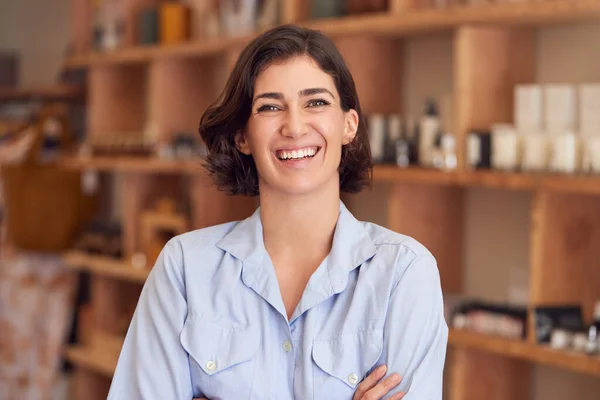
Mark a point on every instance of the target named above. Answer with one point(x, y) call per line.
point(299, 225)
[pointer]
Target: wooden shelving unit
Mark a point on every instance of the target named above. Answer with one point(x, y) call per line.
point(525, 351)
point(105, 266)
point(583, 184)
point(63, 92)
point(493, 49)
point(419, 21)
point(133, 164)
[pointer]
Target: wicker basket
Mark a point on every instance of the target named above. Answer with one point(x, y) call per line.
point(44, 204)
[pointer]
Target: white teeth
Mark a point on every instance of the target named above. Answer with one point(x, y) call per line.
point(297, 154)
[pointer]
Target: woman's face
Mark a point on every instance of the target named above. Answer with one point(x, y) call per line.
point(296, 128)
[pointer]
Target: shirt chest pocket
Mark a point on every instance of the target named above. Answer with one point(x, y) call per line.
point(222, 359)
point(340, 364)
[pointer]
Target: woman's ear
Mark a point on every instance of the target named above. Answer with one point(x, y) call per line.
point(350, 126)
point(241, 143)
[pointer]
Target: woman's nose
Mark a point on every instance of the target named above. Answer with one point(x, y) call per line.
point(294, 124)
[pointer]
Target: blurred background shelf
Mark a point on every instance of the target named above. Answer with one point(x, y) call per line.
point(100, 356)
point(583, 184)
point(391, 24)
point(105, 266)
point(523, 350)
point(133, 164)
point(55, 92)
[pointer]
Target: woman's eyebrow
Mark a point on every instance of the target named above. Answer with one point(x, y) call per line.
point(268, 95)
point(312, 91)
point(302, 93)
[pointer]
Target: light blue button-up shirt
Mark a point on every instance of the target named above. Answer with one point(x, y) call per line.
point(211, 322)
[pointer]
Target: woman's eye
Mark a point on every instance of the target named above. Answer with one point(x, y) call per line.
point(267, 108)
point(318, 103)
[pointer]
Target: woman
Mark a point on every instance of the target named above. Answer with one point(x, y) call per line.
point(300, 300)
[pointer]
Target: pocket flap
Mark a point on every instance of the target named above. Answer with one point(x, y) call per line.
point(215, 347)
point(350, 356)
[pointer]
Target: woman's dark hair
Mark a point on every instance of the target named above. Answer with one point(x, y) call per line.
point(235, 172)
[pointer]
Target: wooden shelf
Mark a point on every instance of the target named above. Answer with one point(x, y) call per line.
point(64, 92)
point(100, 357)
point(133, 164)
point(387, 24)
point(526, 351)
point(105, 266)
point(582, 184)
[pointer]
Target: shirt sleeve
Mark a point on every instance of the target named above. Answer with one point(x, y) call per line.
point(153, 364)
point(416, 333)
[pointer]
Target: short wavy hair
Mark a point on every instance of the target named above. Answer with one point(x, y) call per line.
point(234, 172)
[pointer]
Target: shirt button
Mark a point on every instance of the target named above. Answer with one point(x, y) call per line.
point(287, 346)
point(211, 365)
point(353, 379)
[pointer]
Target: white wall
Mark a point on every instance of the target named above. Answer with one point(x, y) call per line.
point(39, 30)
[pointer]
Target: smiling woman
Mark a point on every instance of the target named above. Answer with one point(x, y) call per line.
point(300, 300)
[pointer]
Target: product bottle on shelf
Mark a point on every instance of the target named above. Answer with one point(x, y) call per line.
point(411, 130)
point(449, 151)
point(377, 133)
point(429, 129)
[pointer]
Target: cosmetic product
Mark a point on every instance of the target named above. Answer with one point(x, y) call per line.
point(479, 145)
point(268, 15)
point(436, 153)
point(528, 108)
point(327, 9)
point(535, 154)
point(377, 136)
point(429, 128)
point(449, 152)
point(394, 133)
point(174, 22)
point(589, 110)
point(590, 154)
point(238, 16)
point(505, 147)
point(564, 153)
point(591, 347)
point(493, 319)
point(148, 26)
point(580, 342)
point(596, 321)
point(559, 109)
point(411, 130)
point(548, 318)
point(561, 339)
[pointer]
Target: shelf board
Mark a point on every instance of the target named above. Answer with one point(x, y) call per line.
point(132, 164)
point(100, 356)
point(386, 24)
point(105, 266)
point(582, 184)
point(63, 92)
point(523, 350)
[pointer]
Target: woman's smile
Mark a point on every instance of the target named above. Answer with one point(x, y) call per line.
point(297, 157)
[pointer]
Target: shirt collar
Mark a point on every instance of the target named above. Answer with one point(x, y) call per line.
point(352, 245)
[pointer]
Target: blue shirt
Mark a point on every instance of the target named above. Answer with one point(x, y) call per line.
point(211, 322)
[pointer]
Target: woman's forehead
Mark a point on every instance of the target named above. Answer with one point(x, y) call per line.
point(293, 76)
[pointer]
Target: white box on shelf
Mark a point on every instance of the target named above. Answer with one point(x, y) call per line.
point(528, 108)
point(589, 109)
point(559, 109)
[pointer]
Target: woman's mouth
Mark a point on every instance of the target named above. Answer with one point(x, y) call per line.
point(297, 154)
